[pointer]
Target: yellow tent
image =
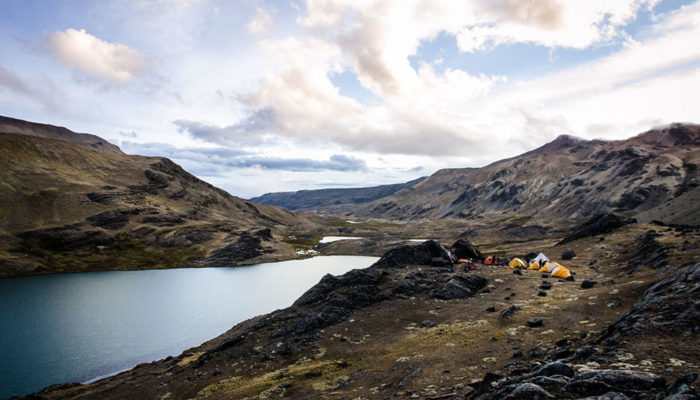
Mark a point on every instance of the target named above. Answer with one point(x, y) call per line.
point(516, 263)
point(534, 265)
point(548, 267)
point(561, 271)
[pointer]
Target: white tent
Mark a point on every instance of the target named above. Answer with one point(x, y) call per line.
point(540, 257)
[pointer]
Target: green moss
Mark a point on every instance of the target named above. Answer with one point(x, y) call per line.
point(304, 242)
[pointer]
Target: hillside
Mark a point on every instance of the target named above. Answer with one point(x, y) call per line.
point(74, 202)
point(647, 176)
point(413, 325)
point(317, 199)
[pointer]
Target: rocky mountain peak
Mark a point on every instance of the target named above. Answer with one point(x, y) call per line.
point(674, 134)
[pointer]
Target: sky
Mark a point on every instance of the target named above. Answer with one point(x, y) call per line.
point(266, 96)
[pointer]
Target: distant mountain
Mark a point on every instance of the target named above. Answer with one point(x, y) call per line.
point(318, 199)
point(652, 176)
point(74, 202)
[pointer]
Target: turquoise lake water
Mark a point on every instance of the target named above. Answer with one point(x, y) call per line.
point(78, 327)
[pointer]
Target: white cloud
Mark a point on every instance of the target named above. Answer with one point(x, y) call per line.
point(114, 61)
point(261, 22)
point(424, 110)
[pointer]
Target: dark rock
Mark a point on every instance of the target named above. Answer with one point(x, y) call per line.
point(587, 387)
point(546, 285)
point(682, 384)
point(666, 305)
point(65, 238)
point(142, 232)
point(264, 234)
point(245, 248)
point(536, 353)
point(542, 293)
point(284, 385)
point(598, 225)
point(508, 312)
point(427, 324)
point(163, 220)
point(588, 283)
point(568, 254)
point(427, 253)
point(528, 391)
point(404, 286)
point(518, 354)
point(550, 383)
point(112, 219)
point(104, 198)
point(491, 309)
point(688, 396)
point(554, 368)
point(484, 385)
point(649, 252)
point(155, 179)
point(607, 396)
point(459, 287)
point(534, 322)
point(599, 382)
point(463, 248)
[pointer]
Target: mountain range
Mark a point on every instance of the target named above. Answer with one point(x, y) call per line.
point(652, 176)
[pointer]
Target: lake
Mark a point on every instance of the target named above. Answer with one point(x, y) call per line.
point(78, 327)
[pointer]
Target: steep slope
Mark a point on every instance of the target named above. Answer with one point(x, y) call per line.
point(69, 205)
point(317, 199)
point(569, 178)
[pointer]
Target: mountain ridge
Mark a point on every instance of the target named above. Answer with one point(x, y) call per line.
point(567, 178)
point(72, 203)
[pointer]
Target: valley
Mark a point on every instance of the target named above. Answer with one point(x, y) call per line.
point(418, 323)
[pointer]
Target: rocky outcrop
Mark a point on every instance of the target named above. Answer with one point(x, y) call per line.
point(334, 299)
point(598, 225)
point(461, 286)
point(670, 305)
point(649, 253)
point(245, 248)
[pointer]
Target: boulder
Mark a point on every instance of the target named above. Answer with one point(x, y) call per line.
point(508, 312)
point(463, 248)
point(568, 254)
point(534, 322)
point(588, 283)
point(460, 286)
point(554, 368)
point(599, 382)
point(528, 391)
point(427, 253)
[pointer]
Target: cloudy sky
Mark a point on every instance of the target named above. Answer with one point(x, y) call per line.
point(260, 96)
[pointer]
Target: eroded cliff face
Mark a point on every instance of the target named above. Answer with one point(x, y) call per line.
point(415, 325)
point(68, 204)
